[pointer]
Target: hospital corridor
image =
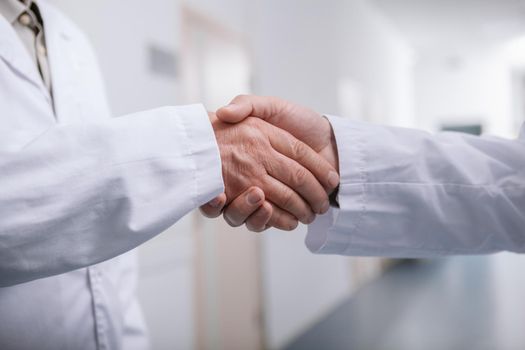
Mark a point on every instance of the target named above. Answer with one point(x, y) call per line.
point(455, 303)
point(411, 111)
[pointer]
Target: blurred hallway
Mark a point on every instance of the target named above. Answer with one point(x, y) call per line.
point(455, 303)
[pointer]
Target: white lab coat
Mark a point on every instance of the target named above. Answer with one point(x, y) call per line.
point(407, 193)
point(79, 188)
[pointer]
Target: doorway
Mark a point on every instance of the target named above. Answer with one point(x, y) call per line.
point(216, 67)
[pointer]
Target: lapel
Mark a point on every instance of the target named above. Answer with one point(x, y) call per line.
point(13, 52)
point(78, 92)
point(65, 62)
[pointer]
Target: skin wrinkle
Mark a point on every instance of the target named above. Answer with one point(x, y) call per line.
point(253, 142)
point(320, 163)
point(253, 159)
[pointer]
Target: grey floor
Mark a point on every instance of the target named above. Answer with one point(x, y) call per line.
point(470, 303)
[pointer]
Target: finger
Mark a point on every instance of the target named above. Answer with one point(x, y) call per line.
point(243, 206)
point(302, 181)
point(213, 208)
point(281, 219)
point(323, 173)
point(302, 122)
point(257, 222)
point(287, 199)
point(243, 106)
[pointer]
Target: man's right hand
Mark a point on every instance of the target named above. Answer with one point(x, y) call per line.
point(305, 124)
point(294, 179)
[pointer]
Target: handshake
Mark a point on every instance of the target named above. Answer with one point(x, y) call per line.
point(279, 163)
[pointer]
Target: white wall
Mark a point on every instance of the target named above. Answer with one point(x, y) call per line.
point(471, 88)
point(483, 86)
point(380, 61)
point(121, 32)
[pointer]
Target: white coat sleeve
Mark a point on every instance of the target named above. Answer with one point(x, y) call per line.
point(408, 193)
point(79, 194)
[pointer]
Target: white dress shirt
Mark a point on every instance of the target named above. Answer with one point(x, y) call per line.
point(408, 193)
point(25, 18)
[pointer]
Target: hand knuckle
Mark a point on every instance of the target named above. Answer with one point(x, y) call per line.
point(299, 176)
point(288, 199)
point(299, 149)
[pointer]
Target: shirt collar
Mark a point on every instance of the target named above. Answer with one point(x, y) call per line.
point(12, 9)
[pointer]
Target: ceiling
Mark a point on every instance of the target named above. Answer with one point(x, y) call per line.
point(455, 26)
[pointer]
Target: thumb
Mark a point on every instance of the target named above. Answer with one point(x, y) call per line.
point(213, 208)
point(243, 106)
point(234, 112)
point(303, 123)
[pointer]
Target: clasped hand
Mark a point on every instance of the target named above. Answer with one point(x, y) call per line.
point(277, 171)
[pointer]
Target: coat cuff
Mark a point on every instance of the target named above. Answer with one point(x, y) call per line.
point(203, 147)
point(330, 233)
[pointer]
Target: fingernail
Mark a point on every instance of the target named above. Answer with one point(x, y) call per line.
point(215, 202)
point(254, 197)
point(324, 207)
point(310, 219)
point(333, 179)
